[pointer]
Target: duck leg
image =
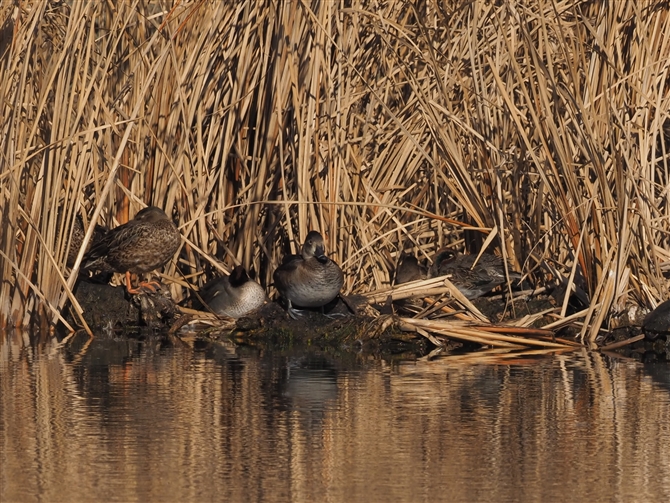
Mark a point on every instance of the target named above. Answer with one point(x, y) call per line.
point(292, 311)
point(129, 284)
point(332, 316)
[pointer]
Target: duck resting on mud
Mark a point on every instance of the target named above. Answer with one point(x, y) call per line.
point(233, 296)
point(472, 280)
point(310, 279)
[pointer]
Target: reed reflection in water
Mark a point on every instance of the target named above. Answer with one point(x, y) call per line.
point(161, 420)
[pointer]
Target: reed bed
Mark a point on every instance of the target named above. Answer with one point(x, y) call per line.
point(538, 127)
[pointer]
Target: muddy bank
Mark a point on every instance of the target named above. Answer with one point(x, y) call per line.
point(647, 348)
point(351, 325)
point(271, 328)
point(111, 308)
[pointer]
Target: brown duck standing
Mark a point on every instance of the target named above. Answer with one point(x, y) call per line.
point(310, 279)
point(145, 243)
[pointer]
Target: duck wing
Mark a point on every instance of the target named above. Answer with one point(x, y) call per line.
point(113, 242)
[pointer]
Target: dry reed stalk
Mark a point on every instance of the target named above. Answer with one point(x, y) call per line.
point(425, 288)
point(388, 127)
point(620, 344)
point(478, 334)
point(499, 356)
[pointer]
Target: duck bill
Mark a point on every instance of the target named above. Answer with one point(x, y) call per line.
point(320, 254)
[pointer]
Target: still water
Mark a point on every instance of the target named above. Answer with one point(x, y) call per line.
point(168, 420)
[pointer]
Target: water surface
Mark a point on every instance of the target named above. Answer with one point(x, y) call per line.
point(168, 420)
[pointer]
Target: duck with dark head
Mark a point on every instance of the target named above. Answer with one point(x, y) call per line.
point(310, 279)
point(234, 296)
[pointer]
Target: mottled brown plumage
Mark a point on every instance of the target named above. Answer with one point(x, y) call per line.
point(310, 279)
point(78, 238)
point(473, 282)
point(409, 269)
point(145, 243)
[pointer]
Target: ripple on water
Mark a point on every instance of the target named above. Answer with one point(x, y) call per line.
point(160, 420)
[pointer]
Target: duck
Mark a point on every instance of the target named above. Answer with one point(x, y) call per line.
point(234, 296)
point(145, 243)
point(77, 239)
point(310, 279)
point(472, 282)
point(409, 269)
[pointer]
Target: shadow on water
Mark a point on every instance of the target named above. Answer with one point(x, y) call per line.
point(158, 418)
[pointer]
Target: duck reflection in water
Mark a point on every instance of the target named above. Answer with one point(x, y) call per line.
point(311, 386)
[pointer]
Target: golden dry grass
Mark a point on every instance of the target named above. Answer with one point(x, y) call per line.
point(385, 125)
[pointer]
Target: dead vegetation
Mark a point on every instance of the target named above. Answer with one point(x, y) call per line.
point(539, 126)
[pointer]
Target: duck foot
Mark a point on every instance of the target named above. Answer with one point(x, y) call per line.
point(149, 286)
point(294, 313)
point(143, 287)
point(297, 314)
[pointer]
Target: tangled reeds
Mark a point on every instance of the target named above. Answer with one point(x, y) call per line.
point(540, 127)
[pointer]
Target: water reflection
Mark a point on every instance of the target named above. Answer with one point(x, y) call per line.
point(310, 384)
point(161, 419)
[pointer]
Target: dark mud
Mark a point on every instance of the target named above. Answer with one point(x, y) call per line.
point(349, 324)
point(651, 348)
point(111, 308)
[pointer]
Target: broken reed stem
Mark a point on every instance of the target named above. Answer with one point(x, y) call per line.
point(475, 334)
